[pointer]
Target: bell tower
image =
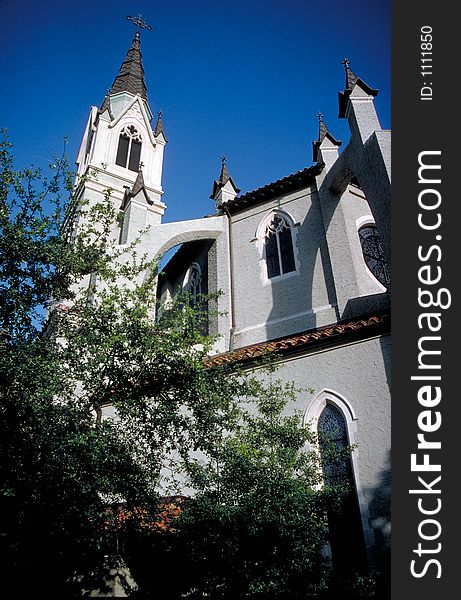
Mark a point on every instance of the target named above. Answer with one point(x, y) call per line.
point(120, 151)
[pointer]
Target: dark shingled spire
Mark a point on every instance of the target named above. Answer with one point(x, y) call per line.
point(323, 133)
point(224, 177)
point(351, 77)
point(131, 75)
point(322, 128)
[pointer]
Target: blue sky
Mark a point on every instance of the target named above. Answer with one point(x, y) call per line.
point(244, 79)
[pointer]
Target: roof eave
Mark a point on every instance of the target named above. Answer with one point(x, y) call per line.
point(279, 187)
point(334, 335)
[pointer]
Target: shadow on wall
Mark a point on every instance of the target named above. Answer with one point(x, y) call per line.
point(310, 288)
point(330, 280)
point(385, 342)
point(380, 515)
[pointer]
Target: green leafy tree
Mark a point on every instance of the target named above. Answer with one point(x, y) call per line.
point(66, 352)
point(257, 525)
point(76, 489)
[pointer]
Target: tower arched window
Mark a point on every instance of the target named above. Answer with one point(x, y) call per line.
point(129, 148)
point(278, 247)
point(373, 254)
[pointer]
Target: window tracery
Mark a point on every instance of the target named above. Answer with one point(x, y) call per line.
point(373, 254)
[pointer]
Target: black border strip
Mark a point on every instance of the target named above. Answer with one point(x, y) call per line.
point(419, 126)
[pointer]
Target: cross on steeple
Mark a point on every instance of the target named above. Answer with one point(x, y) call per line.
point(320, 116)
point(346, 62)
point(139, 22)
point(223, 160)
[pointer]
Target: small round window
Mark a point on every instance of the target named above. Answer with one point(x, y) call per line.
point(374, 255)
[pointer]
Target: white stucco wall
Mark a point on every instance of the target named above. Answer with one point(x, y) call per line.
point(295, 301)
point(360, 374)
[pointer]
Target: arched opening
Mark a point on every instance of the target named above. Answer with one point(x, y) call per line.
point(184, 274)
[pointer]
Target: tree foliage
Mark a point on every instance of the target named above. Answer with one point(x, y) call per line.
point(77, 334)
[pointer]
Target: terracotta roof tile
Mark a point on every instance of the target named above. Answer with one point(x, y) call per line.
point(369, 325)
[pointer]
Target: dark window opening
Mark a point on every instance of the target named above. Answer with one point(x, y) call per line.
point(344, 524)
point(129, 149)
point(122, 152)
point(272, 256)
point(135, 156)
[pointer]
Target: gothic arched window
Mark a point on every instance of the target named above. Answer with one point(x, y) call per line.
point(195, 284)
point(373, 254)
point(345, 527)
point(278, 246)
point(129, 148)
point(332, 431)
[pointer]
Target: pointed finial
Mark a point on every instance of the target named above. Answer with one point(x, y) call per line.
point(159, 125)
point(323, 133)
point(224, 176)
point(351, 77)
point(322, 127)
point(139, 22)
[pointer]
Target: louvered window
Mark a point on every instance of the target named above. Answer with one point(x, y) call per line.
point(129, 148)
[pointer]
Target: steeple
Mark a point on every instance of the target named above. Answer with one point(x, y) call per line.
point(325, 144)
point(120, 149)
point(356, 103)
point(224, 189)
point(352, 82)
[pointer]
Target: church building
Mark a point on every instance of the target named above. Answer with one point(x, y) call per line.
point(312, 252)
